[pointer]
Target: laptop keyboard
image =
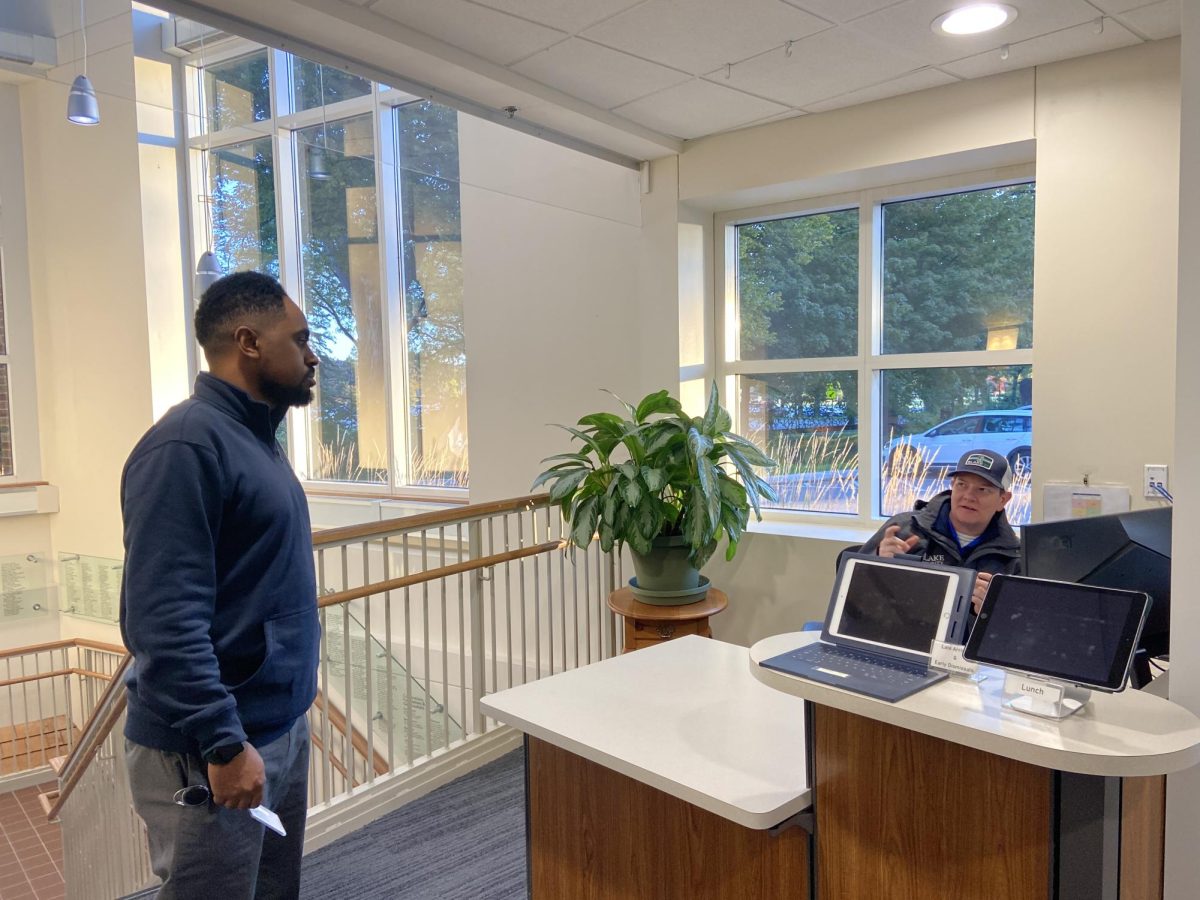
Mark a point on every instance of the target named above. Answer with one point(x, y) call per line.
point(855, 662)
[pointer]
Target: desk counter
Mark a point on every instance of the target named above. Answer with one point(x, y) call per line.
point(1130, 733)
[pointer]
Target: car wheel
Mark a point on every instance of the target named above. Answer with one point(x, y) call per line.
point(1021, 460)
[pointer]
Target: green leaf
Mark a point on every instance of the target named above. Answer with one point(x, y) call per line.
point(607, 422)
point(631, 491)
point(711, 491)
point(654, 478)
point(628, 407)
point(581, 456)
point(708, 425)
point(751, 451)
point(748, 477)
point(724, 421)
point(730, 549)
point(567, 484)
point(556, 472)
point(731, 492)
point(658, 402)
point(638, 542)
point(585, 523)
point(587, 439)
point(608, 508)
point(664, 431)
point(629, 469)
point(698, 444)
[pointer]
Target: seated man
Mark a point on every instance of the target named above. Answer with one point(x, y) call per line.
point(964, 526)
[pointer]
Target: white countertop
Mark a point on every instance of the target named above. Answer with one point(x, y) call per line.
point(685, 717)
point(1124, 734)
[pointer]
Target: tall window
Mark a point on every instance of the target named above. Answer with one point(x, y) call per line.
point(348, 192)
point(7, 467)
point(872, 340)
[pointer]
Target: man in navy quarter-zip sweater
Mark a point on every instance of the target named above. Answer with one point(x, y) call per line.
point(218, 608)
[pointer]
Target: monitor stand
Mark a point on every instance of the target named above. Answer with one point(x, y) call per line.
point(1044, 697)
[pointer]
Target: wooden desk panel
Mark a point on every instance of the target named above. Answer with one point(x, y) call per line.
point(904, 815)
point(595, 834)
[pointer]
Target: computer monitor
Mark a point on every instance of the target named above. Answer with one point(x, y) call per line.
point(1130, 550)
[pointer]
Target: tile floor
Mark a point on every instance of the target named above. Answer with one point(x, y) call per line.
point(31, 857)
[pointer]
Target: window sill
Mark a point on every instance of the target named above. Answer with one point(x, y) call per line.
point(30, 498)
point(848, 532)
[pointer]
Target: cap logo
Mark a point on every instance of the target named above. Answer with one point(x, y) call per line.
point(979, 459)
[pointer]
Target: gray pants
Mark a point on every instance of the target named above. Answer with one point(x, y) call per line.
point(207, 851)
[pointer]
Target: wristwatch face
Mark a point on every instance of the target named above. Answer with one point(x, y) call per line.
point(224, 754)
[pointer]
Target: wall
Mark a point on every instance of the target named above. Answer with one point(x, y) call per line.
point(1106, 132)
point(551, 300)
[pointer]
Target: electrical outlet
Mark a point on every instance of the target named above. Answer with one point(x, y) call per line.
point(1155, 477)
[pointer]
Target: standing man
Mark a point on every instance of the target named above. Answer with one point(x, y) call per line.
point(964, 526)
point(218, 608)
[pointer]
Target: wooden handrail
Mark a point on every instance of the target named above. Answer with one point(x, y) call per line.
point(358, 741)
point(404, 581)
point(58, 645)
point(423, 521)
point(57, 673)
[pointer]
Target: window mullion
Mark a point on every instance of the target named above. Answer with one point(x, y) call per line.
point(870, 296)
point(392, 308)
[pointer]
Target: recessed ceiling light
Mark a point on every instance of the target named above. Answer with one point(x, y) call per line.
point(974, 18)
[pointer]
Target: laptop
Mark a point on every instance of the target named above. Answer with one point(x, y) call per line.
point(883, 617)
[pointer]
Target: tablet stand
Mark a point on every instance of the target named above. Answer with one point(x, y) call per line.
point(1044, 697)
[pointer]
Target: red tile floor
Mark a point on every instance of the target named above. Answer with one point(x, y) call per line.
point(31, 857)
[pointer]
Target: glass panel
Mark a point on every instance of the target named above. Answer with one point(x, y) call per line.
point(958, 272)
point(6, 443)
point(931, 417)
point(431, 243)
point(315, 85)
point(242, 179)
point(237, 92)
point(798, 287)
point(339, 251)
point(808, 423)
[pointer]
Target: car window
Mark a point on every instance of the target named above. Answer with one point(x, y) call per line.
point(965, 425)
point(1005, 424)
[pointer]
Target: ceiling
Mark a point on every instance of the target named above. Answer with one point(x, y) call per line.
point(637, 78)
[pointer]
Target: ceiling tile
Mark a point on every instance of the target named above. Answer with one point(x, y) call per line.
point(1066, 44)
point(697, 108)
point(491, 35)
point(908, 25)
point(699, 35)
point(603, 77)
point(567, 15)
point(841, 10)
point(1156, 21)
point(907, 84)
point(822, 65)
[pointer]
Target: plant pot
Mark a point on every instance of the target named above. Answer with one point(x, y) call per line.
point(666, 569)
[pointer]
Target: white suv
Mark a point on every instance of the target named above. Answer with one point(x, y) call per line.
point(1005, 431)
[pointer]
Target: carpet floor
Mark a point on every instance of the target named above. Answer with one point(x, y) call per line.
point(464, 840)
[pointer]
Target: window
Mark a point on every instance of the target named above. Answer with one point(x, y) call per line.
point(893, 326)
point(348, 192)
point(7, 467)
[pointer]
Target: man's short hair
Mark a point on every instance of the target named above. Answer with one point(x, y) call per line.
point(234, 296)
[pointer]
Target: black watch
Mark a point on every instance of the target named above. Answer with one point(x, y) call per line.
point(224, 754)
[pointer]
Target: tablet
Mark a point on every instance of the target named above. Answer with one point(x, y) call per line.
point(1077, 633)
point(887, 605)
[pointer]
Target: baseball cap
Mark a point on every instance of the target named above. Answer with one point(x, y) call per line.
point(988, 465)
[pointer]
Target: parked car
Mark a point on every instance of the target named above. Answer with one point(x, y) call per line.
point(1006, 431)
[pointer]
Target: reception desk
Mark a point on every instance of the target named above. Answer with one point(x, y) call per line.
point(686, 770)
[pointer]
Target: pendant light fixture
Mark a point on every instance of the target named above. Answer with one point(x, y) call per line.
point(208, 269)
point(82, 106)
point(318, 164)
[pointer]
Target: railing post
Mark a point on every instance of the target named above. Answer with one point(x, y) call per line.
point(474, 551)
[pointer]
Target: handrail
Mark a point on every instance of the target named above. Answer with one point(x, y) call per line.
point(422, 521)
point(337, 719)
point(95, 732)
point(86, 643)
point(57, 673)
point(394, 584)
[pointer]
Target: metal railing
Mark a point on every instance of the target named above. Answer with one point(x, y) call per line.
point(47, 692)
point(422, 616)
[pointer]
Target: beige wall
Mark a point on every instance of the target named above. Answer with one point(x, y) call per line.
point(1107, 137)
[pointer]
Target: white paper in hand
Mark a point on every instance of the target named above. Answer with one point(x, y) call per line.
point(268, 818)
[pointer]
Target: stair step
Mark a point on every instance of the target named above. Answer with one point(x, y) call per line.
point(47, 800)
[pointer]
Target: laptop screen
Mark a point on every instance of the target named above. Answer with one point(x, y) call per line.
point(893, 607)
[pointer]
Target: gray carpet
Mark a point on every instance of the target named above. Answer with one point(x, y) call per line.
point(464, 840)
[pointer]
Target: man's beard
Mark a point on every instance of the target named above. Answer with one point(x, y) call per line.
point(282, 396)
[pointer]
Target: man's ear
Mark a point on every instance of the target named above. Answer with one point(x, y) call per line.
point(245, 339)
point(1005, 496)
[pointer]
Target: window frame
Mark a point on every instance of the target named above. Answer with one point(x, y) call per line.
point(869, 362)
point(282, 127)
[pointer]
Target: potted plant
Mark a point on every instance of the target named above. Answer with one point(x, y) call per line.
point(663, 483)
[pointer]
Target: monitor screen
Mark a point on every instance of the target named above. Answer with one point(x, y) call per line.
point(1129, 550)
point(1081, 634)
point(892, 605)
